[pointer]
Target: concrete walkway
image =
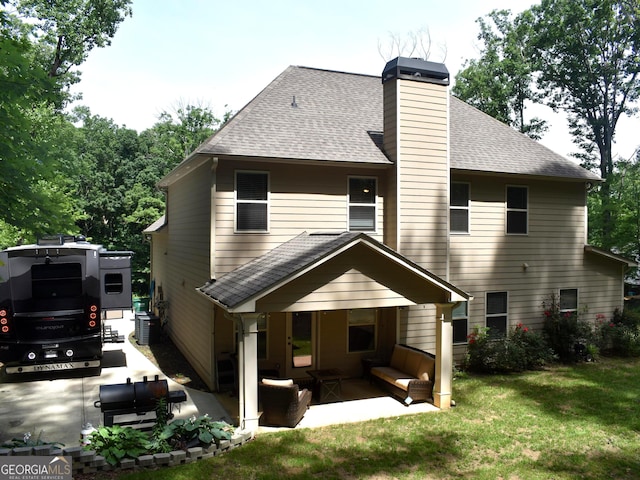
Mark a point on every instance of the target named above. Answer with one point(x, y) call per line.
point(58, 408)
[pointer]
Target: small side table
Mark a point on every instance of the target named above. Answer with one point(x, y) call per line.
point(368, 364)
point(328, 384)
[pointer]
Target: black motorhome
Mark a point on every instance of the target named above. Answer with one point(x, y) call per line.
point(52, 298)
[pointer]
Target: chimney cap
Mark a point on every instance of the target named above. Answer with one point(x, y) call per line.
point(416, 69)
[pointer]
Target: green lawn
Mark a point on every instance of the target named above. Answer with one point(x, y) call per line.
point(566, 422)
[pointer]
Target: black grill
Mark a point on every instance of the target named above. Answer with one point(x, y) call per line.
point(139, 398)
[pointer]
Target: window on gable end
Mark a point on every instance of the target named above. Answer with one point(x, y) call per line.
point(252, 202)
point(517, 210)
point(362, 204)
point(459, 208)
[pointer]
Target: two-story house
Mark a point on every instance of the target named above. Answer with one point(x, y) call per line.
point(337, 214)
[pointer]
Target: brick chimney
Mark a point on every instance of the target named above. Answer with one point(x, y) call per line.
point(416, 139)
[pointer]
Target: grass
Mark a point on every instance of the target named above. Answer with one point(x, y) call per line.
point(566, 422)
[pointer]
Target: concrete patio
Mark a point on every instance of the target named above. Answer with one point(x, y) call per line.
point(361, 401)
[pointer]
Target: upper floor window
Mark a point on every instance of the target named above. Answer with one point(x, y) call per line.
point(252, 201)
point(496, 313)
point(568, 300)
point(362, 204)
point(517, 210)
point(459, 321)
point(459, 208)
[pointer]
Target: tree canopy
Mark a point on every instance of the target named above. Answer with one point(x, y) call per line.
point(500, 82)
point(40, 41)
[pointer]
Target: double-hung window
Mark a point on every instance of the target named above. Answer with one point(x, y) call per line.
point(362, 330)
point(459, 208)
point(459, 321)
point(252, 201)
point(362, 204)
point(517, 210)
point(496, 313)
point(569, 300)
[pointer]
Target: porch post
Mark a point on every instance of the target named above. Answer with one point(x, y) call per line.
point(248, 372)
point(444, 356)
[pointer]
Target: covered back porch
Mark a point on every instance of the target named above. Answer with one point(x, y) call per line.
point(348, 292)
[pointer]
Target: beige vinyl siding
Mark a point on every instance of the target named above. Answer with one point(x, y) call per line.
point(553, 250)
point(302, 198)
point(424, 173)
point(355, 279)
point(187, 267)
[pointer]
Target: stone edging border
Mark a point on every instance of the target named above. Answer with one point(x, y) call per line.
point(88, 461)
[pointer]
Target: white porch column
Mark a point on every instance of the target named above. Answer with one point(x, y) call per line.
point(248, 372)
point(444, 356)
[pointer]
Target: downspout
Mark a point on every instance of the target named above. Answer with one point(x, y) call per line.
point(212, 218)
point(212, 256)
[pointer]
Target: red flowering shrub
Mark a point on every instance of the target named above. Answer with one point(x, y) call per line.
point(568, 335)
point(518, 351)
point(620, 335)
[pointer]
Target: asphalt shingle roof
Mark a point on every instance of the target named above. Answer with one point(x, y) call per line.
point(286, 260)
point(321, 115)
point(273, 267)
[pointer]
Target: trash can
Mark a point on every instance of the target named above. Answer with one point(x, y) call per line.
point(147, 328)
point(141, 304)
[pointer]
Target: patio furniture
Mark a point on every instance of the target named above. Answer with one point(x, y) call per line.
point(409, 375)
point(328, 384)
point(283, 403)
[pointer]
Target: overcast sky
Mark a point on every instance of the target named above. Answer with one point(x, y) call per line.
point(220, 53)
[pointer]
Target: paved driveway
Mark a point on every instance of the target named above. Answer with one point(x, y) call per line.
point(60, 407)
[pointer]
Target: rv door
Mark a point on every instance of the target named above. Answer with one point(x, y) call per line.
point(115, 280)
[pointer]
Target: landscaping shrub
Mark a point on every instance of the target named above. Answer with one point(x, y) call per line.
point(117, 442)
point(518, 351)
point(621, 335)
point(569, 336)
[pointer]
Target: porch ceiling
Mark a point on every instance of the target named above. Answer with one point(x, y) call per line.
point(328, 271)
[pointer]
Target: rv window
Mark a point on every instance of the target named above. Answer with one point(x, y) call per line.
point(113, 283)
point(56, 280)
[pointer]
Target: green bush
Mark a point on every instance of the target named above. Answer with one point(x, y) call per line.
point(117, 442)
point(567, 334)
point(518, 351)
point(621, 335)
point(184, 433)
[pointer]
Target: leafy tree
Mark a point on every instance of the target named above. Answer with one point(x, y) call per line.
point(586, 53)
point(68, 30)
point(119, 172)
point(40, 41)
point(500, 82)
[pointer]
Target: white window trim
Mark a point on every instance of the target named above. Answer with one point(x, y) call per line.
point(467, 208)
point(507, 210)
point(236, 201)
point(374, 205)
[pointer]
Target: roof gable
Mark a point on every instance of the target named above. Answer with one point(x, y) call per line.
point(242, 289)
